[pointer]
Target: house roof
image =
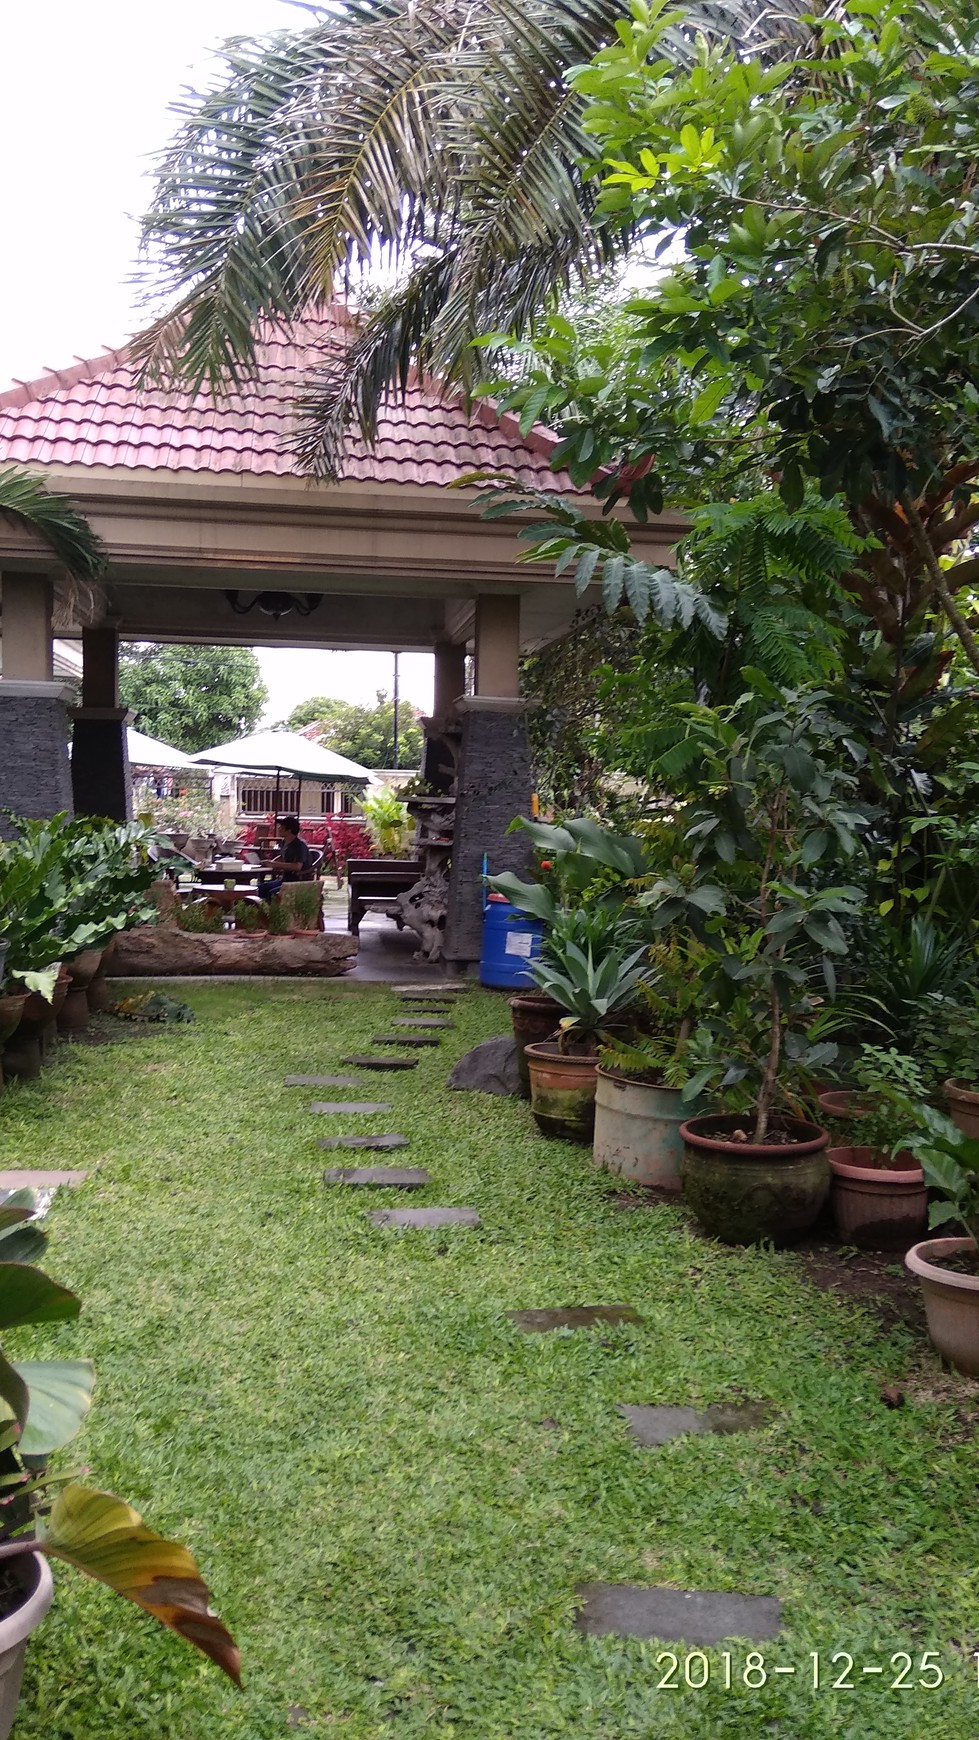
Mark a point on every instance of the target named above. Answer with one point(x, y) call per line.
point(93, 414)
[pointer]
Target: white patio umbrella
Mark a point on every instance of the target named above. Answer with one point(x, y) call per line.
point(279, 752)
point(150, 752)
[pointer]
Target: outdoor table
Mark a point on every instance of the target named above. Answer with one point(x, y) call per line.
point(246, 873)
point(221, 896)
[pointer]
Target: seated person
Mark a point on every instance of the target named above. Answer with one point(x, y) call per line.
point(294, 862)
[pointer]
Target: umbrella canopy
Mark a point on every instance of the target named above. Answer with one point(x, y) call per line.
point(150, 752)
point(282, 752)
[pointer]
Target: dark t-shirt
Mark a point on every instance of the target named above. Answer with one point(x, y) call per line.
point(297, 852)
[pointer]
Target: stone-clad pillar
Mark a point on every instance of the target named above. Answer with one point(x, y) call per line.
point(99, 755)
point(441, 730)
point(35, 780)
point(495, 776)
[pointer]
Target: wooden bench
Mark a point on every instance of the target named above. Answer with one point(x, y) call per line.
point(373, 882)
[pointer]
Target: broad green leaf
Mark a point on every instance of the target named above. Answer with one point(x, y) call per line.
point(28, 1295)
point(108, 1540)
point(60, 1393)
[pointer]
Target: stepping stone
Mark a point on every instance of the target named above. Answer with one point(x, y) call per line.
point(413, 1039)
point(321, 1081)
point(441, 988)
point(424, 1217)
point(573, 1317)
point(26, 1180)
point(374, 1142)
point(383, 1062)
point(426, 1008)
point(654, 1426)
point(394, 1177)
point(675, 1615)
point(421, 1021)
point(364, 1106)
point(423, 997)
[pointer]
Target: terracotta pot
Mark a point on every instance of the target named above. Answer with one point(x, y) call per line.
point(11, 1010)
point(845, 1103)
point(562, 1092)
point(74, 1013)
point(82, 970)
point(535, 1019)
point(637, 1129)
point(34, 1575)
point(742, 1192)
point(37, 1031)
point(878, 1203)
point(951, 1302)
point(100, 995)
point(963, 1106)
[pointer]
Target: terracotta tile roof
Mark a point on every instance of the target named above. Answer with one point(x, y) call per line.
point(93, 414)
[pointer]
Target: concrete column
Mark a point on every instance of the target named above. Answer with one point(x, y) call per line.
point(450, 676)
point(100, 775)
point(35, 780)
point(25, 626)
point(494, 785)
point(498, 645)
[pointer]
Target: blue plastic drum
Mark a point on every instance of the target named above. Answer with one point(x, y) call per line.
point(511, 941)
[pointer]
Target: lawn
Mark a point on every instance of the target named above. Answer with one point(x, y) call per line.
point(392, 1491)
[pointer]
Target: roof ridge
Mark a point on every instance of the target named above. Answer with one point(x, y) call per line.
point(24, 393)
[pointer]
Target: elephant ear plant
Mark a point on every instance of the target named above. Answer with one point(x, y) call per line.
point(578, 860)
point(42, 1405)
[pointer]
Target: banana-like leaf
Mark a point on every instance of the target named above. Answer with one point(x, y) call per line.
point(28, 1295)
point(60, 1395)
point(15, 1398)
point(108, 1540)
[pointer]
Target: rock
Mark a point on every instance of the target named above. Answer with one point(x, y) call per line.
point(424, 1217)
point(385, 1177)
point(163, 951)
point(675, 1615)
point(489, 1068)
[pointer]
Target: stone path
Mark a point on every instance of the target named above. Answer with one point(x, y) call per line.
point(675, 1615)
point(413, 1039)
point(438, 988)
point(652, 1426)
point(322, 1080)
point(382, 1062)
point(424, 1217)
point(573, 1317)
point(380, 1143)
point(421, 1021)
point(392, 1177)
point(26, 1180)
point(364, 1106)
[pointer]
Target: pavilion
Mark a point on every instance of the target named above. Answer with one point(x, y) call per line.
point(215, 536)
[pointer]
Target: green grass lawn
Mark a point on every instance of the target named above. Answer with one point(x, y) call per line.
point(391, 1490)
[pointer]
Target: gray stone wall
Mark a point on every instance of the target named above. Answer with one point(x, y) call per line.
point(495, 783)
point(35, 777)
point(100, 769)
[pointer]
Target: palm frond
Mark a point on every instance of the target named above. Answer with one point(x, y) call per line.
point(26, 499)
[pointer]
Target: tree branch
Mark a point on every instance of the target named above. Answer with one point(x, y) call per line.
point(969, 642)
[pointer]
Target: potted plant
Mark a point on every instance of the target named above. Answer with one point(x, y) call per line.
point(45, 1516)
point(303, 904)
point(878, 1193)
point(575, 861)
point(249, 919)
point(388, 823)
point(275, 917)
point(590, 966)
point(948, 1268)
point(639, 1106)
point(774, 808)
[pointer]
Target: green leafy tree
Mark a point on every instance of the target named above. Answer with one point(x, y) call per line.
point(364, 734)
point(192, 696)
point(820, 324)
point(442, 136)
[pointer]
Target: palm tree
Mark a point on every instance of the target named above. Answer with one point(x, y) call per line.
point(438, 135)
point(25, 499)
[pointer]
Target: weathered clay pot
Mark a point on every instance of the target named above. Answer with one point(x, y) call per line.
point(36, 1033)
point(951, 1301)
point(742, 1193)
point(878, 1203)
point(845, 1103)
point(963, 1106)
point(535, 1018)
point(562, 1092)
point(74, 1013)
point(637, 1129)
point(11, 1010)
point(34, 1574)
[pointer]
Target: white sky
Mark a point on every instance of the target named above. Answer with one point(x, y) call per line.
point(86, 93)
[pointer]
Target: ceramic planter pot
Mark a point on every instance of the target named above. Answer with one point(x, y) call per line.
point(11, 1010)
point(562, 1092)
point(878, 1203)
point(535, 1019)
point(74, 1012)
point(963, 1106)
point(951, 1301)
point(845, 1103)
point(37, 1030)
point(637, 1129)
point(34, 1574)
point(742, 1192)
